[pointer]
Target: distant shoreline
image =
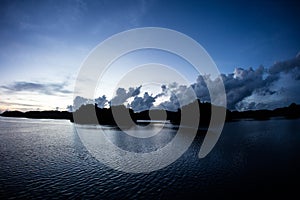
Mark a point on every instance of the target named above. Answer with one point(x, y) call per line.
point(105, 116)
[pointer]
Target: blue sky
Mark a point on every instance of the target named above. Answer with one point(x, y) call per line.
point(43, 43)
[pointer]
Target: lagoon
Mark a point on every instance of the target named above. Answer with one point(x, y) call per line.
point(46, 159)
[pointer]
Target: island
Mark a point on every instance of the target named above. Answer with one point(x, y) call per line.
point(106, 116)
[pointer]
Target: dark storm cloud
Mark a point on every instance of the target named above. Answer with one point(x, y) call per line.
point(42, 88)
point(246, 89)
point(122, 95)
point(238, 85)
point(242, 83)
point(286, 66)
point(180, 95)
point(79, 101)
point(101, 101)
point(172, 105)
point(274, 83)
point(142, 103)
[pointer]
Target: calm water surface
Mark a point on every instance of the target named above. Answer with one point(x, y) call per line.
point(46, 159)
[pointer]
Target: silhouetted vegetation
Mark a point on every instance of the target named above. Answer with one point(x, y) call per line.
point(292, 111)
point(39, 114)
point(122, 116)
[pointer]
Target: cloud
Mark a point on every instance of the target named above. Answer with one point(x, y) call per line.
point(142, 103)
point(4, 103)
point(264, 88)
point(180, 95)
point(122, 95)
point(238, 85)
point(200, 88)
point(281, 87)
point(171, 105)
point(70, 108)
point(101, 101)
point(246, 89)
point(242, 83)
point(79, 101)
point(42, 88)
point(285, 66)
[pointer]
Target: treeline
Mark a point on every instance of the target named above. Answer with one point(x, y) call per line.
point(290, 112)
point(122, 116)
point(39, 114)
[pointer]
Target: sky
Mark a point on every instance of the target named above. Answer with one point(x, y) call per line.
point(255, 45)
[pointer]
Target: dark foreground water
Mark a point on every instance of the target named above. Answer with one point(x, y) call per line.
point(45, 159)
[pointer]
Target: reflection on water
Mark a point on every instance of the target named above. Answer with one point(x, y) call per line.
point(122, 151)
point(142, 139)
point(46, 159)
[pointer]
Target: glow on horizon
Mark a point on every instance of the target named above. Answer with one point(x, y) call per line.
point(25, 101)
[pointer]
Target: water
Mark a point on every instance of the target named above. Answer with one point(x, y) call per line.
point(46, 159)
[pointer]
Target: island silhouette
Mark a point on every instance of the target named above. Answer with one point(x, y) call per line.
point(107, 116)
